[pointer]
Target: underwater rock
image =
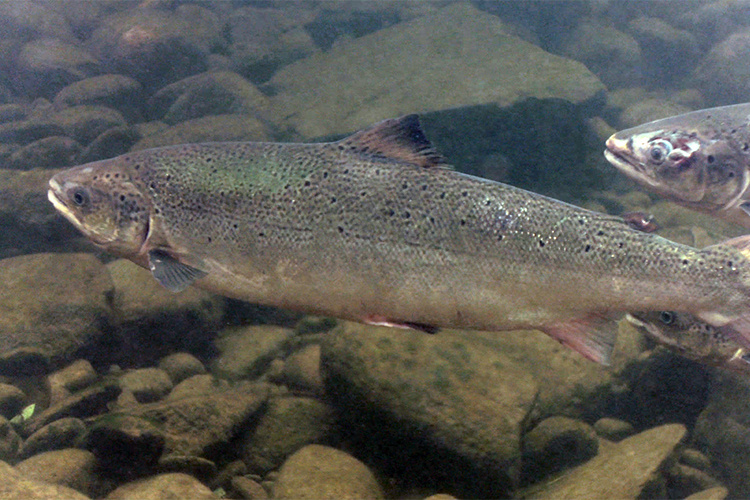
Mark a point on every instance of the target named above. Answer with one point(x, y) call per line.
point(69, 467)
point(118, 92)
point(12, 400)
point(78, 375)
point(613, 429)
point(246, 351)
point(648, 110)
point(469, 52)
point(84, 123)
point(447, 408)
point(610, 54)
point(63, 433)
point(665, 49)
point(125, 445)
point(85, 403)
point(684, 480)
point(321, 472)
point(10, 442)
point(724, 73)
point(620, 470)
point(695, 459)
point(215, 128)
point(47, 65)
point(264, 39)
point(722, 432)
point(210, 93)
point(162, 486)
point(58, 302)
point(147, 384)
point(51, 152)
point(717, 493)
point(12, 112)
point(181, 365)
point(554, 444)
point(156, 46)
point(245, 487)
point(301, 371)
point(13, 486)
point(198, 467)
point(29, 130)
point(288, 424)
point(27, 19)
point(110, 143)
point(197, 385)
point(153, 322)
point(203, 422)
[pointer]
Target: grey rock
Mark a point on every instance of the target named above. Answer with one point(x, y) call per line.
point(476, 58)
point(301, 370)
point(10, 442)
point(665, 48)
point(181, 365)
point(264, 39)
point(246, 351)
point(110, 143)
point(198, 467)
point(147, 384)
point(63, 433)
point(448, 402)
point(113, 91)
point(25, 361)
point(288, 424)
point(70, 467)
point(32, 129)
point(13, 486)
point(207, 129)
point(155, 322)
point(210, 93)
point(84, 123)
point(626, 477)
point(612, 55)
point(557, 443)
point(321, 472)
point(47, 65)
point(248, 489)
point(163, 486)
point(194, 425)
point(59, 302)
point(197, 385)
point(12, 113)
point(12, 400)
point(85, 403)
point(613, 429)
point(152, 45)
point(51, 152)
point(27, 19)
point(724, 75)
point(125, 445)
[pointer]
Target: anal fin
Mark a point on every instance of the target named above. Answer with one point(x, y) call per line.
point(592, 336)
point(171, 273)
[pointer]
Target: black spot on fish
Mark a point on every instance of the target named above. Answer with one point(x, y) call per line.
point(442, 195)
point(463, 222)
point(307, 183)
point(710, 158)
point(341, 229)
point(464, 194)
point(541, 244)
point(600, 233)
point(408, 215)
point(333, 199)
point(325, 175)
point(587, 248)
point(581, 222)
point(685, 262)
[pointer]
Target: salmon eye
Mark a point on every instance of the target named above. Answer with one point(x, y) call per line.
point(666, 317)
point(659, 150)
point(80, 197)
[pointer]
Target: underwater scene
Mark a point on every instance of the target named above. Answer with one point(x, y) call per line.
point(257, 249)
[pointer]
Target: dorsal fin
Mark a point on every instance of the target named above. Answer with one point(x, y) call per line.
point(400, 139)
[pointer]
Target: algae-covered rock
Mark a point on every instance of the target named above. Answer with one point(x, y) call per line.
point(246, 351)
point(458, 48)
point(162, 486)
point(68, 467)
point(321, 472)
point(449, 406)
point(14, 486)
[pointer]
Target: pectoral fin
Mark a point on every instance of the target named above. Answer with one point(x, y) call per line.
point(592, 336)
point(171, 273)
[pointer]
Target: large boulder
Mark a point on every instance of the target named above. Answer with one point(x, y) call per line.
point(458, 48)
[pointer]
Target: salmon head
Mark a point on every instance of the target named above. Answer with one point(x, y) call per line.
point(103, 200)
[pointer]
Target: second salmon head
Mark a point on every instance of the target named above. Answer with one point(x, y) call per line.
point(104, 202)
point(699, 159)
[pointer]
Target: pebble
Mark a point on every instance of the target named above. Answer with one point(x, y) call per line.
point(180, 366)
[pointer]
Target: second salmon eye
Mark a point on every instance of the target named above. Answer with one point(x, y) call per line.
point(666, 317)
point(659, 149)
